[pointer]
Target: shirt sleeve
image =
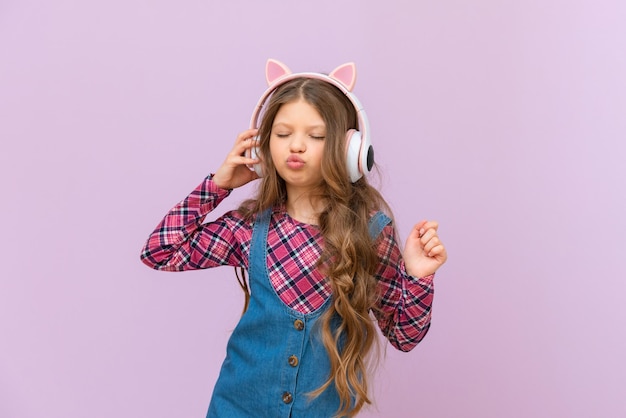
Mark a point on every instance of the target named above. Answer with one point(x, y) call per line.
point(404, 308)
point(181, 241)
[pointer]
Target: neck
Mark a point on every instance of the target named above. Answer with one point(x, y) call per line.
point(303, 206)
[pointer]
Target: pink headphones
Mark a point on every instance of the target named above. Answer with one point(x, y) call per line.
point(359, 150)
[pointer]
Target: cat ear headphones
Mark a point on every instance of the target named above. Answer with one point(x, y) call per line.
point(359, 150)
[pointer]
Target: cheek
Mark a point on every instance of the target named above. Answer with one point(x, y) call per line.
point(320, 150)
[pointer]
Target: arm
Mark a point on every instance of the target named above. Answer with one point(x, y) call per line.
point(182, 242)
point(404, 308)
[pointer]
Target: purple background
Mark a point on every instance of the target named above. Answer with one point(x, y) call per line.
point(504, 120)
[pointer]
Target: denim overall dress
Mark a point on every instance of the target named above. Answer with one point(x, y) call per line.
point(275, 355)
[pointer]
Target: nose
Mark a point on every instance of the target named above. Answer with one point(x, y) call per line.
point(297, 144)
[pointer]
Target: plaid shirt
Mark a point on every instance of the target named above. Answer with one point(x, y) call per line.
point(182, 241)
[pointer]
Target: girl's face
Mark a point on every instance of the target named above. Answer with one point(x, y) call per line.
point(297, 144)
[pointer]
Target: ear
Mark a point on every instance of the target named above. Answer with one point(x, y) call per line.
point(345, 74)
point(275, 69)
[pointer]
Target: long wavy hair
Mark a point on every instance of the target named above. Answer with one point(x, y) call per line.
point(349, 258)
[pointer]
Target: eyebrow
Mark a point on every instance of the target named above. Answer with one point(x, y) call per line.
point(286, 125)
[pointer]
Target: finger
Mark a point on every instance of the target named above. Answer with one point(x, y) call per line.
point(427, 235)
point(237, 160)
point(242, 149)
point(247, 134)
point(431, 225)
point(440, 252)
point(425, 225)
point(419, 228)
point(430, 244)
point(244, 145)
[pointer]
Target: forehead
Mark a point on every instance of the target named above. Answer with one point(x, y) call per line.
point(298, 112)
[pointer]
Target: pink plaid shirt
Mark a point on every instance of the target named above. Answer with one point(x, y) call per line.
point(182, 241)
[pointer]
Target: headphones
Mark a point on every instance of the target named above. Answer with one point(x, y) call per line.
point(359, 150)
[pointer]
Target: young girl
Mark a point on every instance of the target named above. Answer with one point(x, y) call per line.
point(321, 254)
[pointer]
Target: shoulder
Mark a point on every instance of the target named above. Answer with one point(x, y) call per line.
point(236, 222)
point(245, 217)
point(380, 216)
point(378, 222)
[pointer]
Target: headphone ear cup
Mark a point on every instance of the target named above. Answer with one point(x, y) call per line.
point(353, 150)
point(366, 156)
point(359, 155)
point(255, 153)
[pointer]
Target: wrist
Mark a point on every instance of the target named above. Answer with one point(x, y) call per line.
point(417, 273)
point(216, 183)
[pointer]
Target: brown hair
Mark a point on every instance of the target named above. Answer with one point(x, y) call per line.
point(349, 258)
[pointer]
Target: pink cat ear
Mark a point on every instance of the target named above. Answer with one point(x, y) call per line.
point(345, 74)
point(274, 70)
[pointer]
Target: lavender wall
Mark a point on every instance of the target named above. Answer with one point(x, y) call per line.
point(504, 120)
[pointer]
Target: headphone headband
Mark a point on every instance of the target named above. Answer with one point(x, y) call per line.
point(360, 112)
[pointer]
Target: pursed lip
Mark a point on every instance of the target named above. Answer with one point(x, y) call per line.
point(294, 162)
point(294, 159)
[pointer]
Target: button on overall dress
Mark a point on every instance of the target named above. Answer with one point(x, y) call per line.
point(275, 355)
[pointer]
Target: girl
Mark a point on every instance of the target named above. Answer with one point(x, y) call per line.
point(321, 254)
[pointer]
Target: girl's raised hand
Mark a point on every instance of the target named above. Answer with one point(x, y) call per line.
point(234, 171)
point(424, 253)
